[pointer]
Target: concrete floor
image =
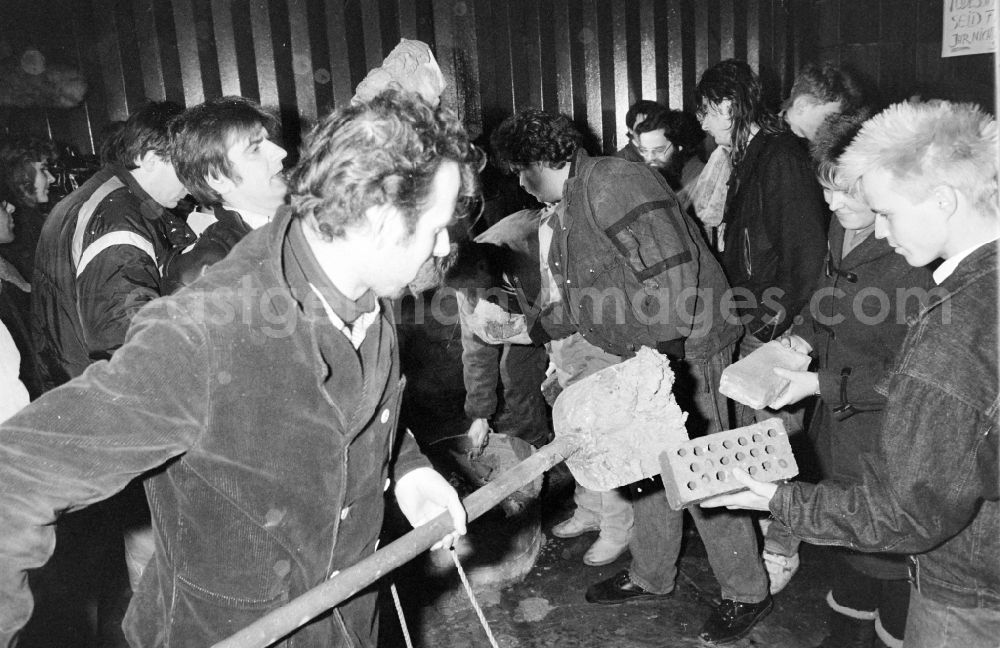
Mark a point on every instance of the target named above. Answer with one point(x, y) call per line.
point(547, 607)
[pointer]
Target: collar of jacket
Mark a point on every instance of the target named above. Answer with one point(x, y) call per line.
point(273, 239)
point(867, 251)
point(149, 208)
point(304, 274)
point(983, 261)
point(574, 165)
point(178, 232)
point(577, 171)
point(232, 218)
point(751, 157)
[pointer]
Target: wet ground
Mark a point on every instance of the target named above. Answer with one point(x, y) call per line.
point(547, 608)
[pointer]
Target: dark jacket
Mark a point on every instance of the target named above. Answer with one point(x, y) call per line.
point(931, 488)
point(856, 322)
point(211, 247)
point(523, 407)
point(82, 304)
point(28, 222)
point(15, 299)
point(774, 238)
point(277, 437)
point(633, 269)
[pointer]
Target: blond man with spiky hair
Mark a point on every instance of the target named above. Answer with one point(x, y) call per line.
point(931, 489)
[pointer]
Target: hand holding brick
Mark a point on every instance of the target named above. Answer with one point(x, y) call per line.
point(752, 380)
point(700, 468)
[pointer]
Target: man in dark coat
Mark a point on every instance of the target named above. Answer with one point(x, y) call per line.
point(102, 249)
point(99, 260)
point(267, 393)
point(224, 153)
point(774, 227)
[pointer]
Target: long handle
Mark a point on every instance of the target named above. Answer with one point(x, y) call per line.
point(278, 623)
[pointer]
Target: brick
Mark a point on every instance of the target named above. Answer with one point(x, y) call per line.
point(752, 381)
point(700, 468)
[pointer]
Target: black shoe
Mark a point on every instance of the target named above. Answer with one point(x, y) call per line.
point(733, 620)
point(619, 589)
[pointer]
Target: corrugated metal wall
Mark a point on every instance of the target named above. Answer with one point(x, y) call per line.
point(897, 44)
point(588, 58)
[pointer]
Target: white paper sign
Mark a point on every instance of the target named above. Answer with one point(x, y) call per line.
point(970, 27)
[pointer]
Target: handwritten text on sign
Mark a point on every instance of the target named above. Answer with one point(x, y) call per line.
point(970, 27)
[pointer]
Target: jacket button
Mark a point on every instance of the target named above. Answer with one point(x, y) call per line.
point(385, 416)
point(344, 511)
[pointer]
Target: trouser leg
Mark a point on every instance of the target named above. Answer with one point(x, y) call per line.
point(656, 538)
point(729, 537)
point(731, 544)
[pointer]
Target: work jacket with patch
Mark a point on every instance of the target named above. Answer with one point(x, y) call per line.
point(632, 269)
point(276, 440)
point(98, 262)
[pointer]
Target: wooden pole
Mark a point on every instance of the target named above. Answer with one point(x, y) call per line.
point(296, 613)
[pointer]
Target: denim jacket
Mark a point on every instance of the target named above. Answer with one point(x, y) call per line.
point(634, 270)
point(931, 489)
point(277, 444)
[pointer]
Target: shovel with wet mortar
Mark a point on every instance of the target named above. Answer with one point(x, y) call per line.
point(612, 428)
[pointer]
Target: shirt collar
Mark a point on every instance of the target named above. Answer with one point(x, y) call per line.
point(546, 213)
point(948, 266)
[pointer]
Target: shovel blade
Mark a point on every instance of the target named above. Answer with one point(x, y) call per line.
point(621, 418)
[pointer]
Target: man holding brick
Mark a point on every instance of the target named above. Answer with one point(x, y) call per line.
point(931, 488)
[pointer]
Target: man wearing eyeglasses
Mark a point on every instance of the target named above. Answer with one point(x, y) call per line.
point(668, 141)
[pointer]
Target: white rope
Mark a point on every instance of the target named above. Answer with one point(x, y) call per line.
point(468, 590)
point(472, 599)
point(399, 613)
